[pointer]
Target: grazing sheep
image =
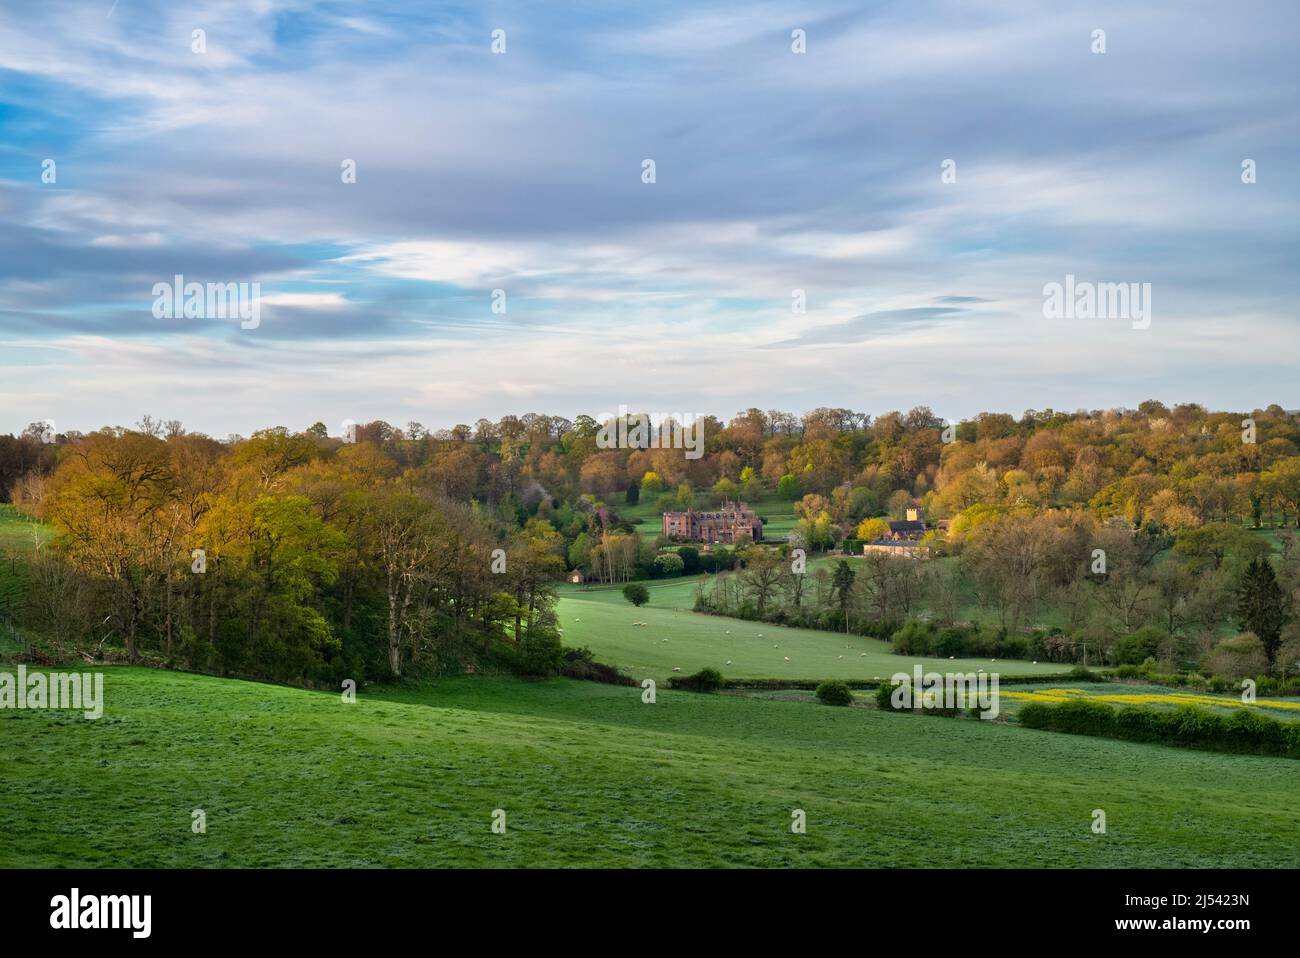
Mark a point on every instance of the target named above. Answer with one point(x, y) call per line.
point(787, 658)
point(677, 668)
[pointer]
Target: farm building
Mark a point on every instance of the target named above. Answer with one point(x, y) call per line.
point(903, 548)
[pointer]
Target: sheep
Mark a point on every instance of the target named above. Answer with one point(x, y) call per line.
point(728, 661)
point(787, 658)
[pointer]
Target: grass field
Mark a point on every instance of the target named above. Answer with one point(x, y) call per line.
point(602, 620)
point(16, 540)
point(1156, 696)
point(589, 776)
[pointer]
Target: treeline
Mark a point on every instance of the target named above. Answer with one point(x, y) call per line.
point(292, 525)
point(1172, 467)
point(286, 556)
point(1210, 597)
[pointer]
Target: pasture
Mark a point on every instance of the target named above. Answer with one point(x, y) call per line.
point(589, 776)
point(675, 637)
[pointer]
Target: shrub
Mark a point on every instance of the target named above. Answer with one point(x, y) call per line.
point(1238, 657)
point(1137, 647)
point(636, 593)
point(1220, 683)
point(540, 653)
point(582, 664)
point(669, 564)
point(1085, 716)
point(705, 680)
point(1187, 726)
point(1035, 715)
point(834, 693)
point(885, 696)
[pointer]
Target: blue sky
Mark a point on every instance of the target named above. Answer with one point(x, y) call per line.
point(521, 171)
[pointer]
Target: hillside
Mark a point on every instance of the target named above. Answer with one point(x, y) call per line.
point(590, 776)
point(675, 637)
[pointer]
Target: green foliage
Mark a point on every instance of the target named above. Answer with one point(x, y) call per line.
point(581, 664)
point(724, 488)
point(885, 696)
point(1187, 726)
point(1137, 647)
point(1238, 657)
point(540, 653)
point(1263, 608)
point(705, 680)
point(669, 564)
point(834, 693)
point(636, 593)
point(787, 487)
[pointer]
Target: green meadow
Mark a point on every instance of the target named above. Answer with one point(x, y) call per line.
point(18, 536)
point(588, 775)
point(674, 637)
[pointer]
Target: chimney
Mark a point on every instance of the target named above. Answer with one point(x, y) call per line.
point(912, 515)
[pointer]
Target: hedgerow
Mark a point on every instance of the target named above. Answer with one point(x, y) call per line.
point(1188, 726)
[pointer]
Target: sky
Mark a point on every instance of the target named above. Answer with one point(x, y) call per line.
point(916, 176)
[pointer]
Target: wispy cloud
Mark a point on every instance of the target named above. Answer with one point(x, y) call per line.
point(778, 175)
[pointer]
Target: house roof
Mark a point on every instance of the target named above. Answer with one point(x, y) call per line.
point(906, 525)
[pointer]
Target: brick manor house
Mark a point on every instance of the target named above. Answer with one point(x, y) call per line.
point(719, 525)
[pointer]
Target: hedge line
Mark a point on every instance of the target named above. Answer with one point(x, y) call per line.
point(1264, 684)
point(1187, 726)
point(811, 684)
